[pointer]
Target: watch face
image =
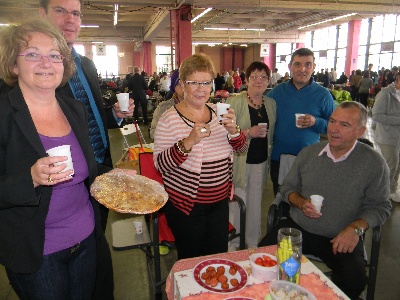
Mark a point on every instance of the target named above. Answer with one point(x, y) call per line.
point(359, 231)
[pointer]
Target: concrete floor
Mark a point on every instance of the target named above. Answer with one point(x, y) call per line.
point(130, 268)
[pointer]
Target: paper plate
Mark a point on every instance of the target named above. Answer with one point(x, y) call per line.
point(128, 193)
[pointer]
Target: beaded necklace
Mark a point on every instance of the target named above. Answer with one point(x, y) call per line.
point(256, 106)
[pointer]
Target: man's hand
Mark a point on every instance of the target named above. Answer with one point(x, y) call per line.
point(345, 241)
point(124, 114)
point(309, 210)
point(306, 121)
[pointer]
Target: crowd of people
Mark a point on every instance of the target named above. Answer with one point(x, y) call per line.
point(50, 96)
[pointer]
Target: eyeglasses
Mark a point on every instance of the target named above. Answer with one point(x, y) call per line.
point(195, 84)
point(254, 78)
point(63, 12)
point(35, 57)
point(307, 65)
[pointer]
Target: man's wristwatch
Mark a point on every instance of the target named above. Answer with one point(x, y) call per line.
point(359, 231)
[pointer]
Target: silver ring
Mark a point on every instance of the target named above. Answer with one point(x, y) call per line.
point(203, 130)
point(232, 120)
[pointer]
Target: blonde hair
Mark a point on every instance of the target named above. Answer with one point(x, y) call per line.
point(196, 63)
point(13, 38)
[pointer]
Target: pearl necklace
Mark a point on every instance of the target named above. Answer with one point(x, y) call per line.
point(256, 106)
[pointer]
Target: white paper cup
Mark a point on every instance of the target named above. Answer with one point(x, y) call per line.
point(264, 127)
point(138, 227)
point(297, 117)
point(64, 150)
point(123, 101)
point(317, 200)
point(222, 109)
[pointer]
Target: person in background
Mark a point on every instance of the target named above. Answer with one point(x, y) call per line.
point(193, 151)
point(335, 233)
point(177, 97)
point(342, 79)
point(250, 167)
point(138, 86)
point(174, 77)
point(229, 83)
point(275, 76)
point(386, 115)
point(391, 76)
point(50, 225)
point(326, 79)
point(364, 86)
point(219, 82)
point(286, 77)
point(237, 82)
point(372, 74)
point(165, 82)
point(333, 76)
point(299, 95)
point(355, 84)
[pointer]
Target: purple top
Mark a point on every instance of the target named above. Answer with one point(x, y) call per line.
point(70, 218)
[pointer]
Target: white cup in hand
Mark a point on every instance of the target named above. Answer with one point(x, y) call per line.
point(317, 200)
point(64, 150)
point(123, 101)
point(297, 118)
point(222, 109)
point(263, 127)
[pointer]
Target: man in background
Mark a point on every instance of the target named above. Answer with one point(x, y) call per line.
point(138, 86)
point(275, 76)
point(300, 94)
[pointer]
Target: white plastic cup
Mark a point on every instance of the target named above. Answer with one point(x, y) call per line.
point(297, 118)
point(138, 227)
point(222, 109)
point(264, 127)
point(317, 200)
point(123, 101)
point(64, 150)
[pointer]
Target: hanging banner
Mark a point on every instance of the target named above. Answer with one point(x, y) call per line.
point(264, 51)
point(100, 49)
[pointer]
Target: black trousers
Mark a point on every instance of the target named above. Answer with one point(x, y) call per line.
point(274, 172)
point(143, 104)
point(203, 232)
point(348, 269)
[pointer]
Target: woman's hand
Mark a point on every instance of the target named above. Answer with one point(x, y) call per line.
point(229, 121)
point(124, 114)
point(258, 131)
point(199, 131)
point(44, 172)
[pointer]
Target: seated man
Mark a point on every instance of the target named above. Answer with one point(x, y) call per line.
point(340, 94)
point(354, 180)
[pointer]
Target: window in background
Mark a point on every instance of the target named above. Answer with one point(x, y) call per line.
point(163, 59)
point(283, 55)
point(107, 65)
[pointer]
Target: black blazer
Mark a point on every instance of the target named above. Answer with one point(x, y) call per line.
point(23, 208)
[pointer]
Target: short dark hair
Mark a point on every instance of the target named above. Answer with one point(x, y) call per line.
point(302, 52)
point(257, 65)
point(362, 109)
point(45, 4)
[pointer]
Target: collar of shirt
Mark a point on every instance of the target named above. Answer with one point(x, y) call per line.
point(309, 82)
point(327, 149)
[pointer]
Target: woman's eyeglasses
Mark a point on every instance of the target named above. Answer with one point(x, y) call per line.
point(35, 57)
point(195, 84)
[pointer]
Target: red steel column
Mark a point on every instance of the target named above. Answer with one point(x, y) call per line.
point(270, 60)
point(353, 42)
point(183, 34)
point(146, 49)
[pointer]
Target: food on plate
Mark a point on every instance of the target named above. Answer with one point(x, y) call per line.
point(234, 282)
point(221, 270)
point(232, 270)
point(265, 261)
point(214, 276)
point(285, 290)
point(282, 294)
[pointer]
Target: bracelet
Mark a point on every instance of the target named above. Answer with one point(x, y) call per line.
point(236, 134)
point(181, 148)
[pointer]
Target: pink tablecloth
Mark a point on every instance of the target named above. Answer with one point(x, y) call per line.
point(181, 284)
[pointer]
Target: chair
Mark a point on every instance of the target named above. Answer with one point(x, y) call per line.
point(279, 210)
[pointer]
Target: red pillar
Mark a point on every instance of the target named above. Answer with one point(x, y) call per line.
point(270, 60)
point(183, 34)
point(146, 49)
point(353, 42)
point(136, 59)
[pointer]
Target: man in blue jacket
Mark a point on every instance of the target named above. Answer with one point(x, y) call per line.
point(298, 95)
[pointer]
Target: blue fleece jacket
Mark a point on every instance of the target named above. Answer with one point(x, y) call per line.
point(312, 99)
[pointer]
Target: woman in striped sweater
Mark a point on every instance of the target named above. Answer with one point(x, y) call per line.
point(194, 152)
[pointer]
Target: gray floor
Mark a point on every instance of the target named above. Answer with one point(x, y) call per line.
point(130, 267)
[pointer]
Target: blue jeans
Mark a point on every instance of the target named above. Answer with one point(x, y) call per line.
point(66, 274)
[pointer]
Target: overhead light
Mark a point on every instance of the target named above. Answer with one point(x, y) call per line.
point(97, 42)
point(243, 45)
point(1, 24)
point(121, 54)
point(89, 26)
point(329, 20)
point(115, 14)
point(234, 29)
point(200, 15)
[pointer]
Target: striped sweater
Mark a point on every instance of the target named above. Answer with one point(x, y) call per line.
point(205, 174)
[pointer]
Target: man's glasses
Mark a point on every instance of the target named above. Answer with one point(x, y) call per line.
point(35, 57)
point(254, 78)
point(195, 84)
point(63, 12)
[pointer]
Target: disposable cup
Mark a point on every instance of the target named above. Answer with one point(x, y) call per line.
point(64, 150)
point(317, 200)
point(123, 101)
point(222, 109)
point(138, 227)
point(297, 118)
point(264, 126)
